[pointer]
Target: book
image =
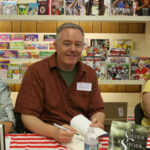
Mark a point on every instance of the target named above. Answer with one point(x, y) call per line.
point(4, 45)
point(24, 55)
point(57, 7)
point(31, 37)
point(127, 136)
point(49, 37)
point(44, 54)
point(22, 9)
point(3, 70)
point(122, 7)
point(95, 8)
point(118, 68)
point(140, 68)
point(9, 7)
point(43, 8)
point(16, 45)
point(29, 45)
point(41, 46)
point(142, 8)
point(33, 8)
point(75, 7)
point(17, 37)
point(5, 37)
point(8, 53)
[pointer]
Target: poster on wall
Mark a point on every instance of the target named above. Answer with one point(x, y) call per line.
point(2, 137)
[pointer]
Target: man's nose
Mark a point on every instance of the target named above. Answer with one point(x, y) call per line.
point(73, 47)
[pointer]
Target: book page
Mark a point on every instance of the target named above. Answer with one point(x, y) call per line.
point(81, 124)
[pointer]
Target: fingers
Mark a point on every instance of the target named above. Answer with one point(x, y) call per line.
point(96, 124)
point(65, 136)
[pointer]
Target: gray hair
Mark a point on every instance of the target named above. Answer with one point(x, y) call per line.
point(68, 25)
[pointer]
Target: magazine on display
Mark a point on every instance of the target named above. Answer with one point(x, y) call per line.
point(122, 7)
point(140, 68)
point(127, 136)
point(57, 7)
point(43, 8)
point(2, 137)
point(118, 68)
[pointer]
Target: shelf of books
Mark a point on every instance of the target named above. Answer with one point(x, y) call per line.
point(111, 56)
point(76, 18)
point(76, 10)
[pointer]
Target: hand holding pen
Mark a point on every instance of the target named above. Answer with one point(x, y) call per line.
point(65, 133)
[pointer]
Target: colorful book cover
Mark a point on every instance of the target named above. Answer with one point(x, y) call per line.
point(49, 37)
point(140, 68)
point(116, 51)
point(75, 7)
point(44, 54)
point(127, 136)
point(43, 8)
point(124, 43)
point(122, 7)
point(16, 45)
point(5, 37)
point(95, 8)
point(22, 9)
point(142, 7)
point(14, 71)
point(57, 7)
point(35, 55)
point(100, 68)
point(24, 55)
point(9, 7)
point(8, 54)
point(41, 46)
point(31, 37)
point(29, 45)
point(118, 68)
point(17, 37)
point(33, 8)
point(101, 43)
point(4, 45)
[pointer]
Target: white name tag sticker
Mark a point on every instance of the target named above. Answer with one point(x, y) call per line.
point(82, 86)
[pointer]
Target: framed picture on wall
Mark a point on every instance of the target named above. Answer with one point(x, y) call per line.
point(2, 137)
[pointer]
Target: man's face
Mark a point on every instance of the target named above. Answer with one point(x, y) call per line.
point(69, 47)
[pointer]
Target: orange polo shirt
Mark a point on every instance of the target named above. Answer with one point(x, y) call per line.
point(44, 93)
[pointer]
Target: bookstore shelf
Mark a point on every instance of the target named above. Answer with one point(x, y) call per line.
point(76, 18)
point(100, 82)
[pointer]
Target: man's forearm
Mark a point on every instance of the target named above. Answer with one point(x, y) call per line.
point(37, 126)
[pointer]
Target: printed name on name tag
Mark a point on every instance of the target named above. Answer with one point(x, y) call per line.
point(82, 86)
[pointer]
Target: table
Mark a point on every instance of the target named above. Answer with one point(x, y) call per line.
point(37, 142)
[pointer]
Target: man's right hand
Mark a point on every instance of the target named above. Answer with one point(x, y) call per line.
point(65, 136)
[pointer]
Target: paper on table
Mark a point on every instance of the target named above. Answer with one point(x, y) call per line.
point(81, 124)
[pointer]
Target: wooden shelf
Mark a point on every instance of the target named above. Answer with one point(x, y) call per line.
point(142, 19)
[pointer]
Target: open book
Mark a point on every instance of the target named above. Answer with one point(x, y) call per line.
point(81, 124)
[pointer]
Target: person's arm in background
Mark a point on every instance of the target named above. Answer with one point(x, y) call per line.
point(146, 103)
point(37, 126)
point(98, 120)
point(146, 98)
point(6, 108)
point(8, 126)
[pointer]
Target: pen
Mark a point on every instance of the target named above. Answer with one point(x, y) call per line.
point(61, 127)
